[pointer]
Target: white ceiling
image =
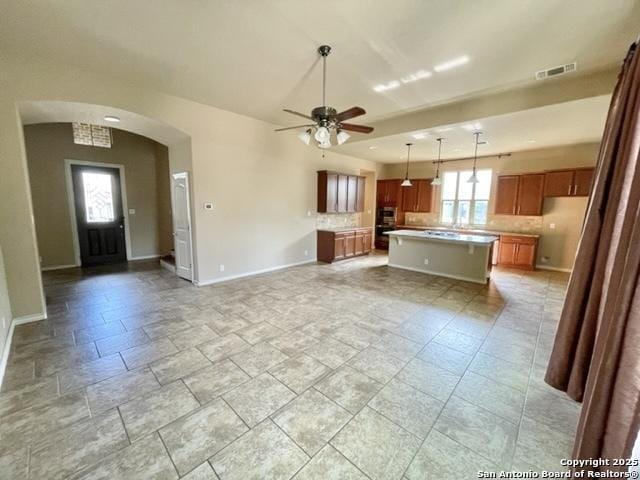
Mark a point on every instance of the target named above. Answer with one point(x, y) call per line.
point(256, 57)
point(567, 123)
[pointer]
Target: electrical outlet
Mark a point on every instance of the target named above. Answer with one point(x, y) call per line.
point(545, 259)
point(426, 261)
point(308, 213)
point(221, 268)
point(207, 206)
point(552, 226)
point(306, 253)
point(132, 211)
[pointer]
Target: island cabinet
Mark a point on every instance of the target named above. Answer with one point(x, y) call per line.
point(389, 193)
point(417, 197)
point(341, 244)
point(340, 192)
point(518, 251)
point(568, 183)
point(520, 194)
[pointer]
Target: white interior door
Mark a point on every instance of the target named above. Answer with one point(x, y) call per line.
point(182, 225)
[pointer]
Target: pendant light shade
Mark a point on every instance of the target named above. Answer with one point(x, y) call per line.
point(305, 136)
point(437, 181)
point(342, 136)
point(474, 177)
point(322, 135)
point(406, 182)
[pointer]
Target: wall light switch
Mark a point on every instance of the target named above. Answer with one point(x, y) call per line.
point(132, 211)
point(221, 268)
point(208, 206)
point(426, 261)
point(306, 253)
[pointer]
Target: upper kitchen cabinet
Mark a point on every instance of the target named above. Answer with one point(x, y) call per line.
point(389, 193)
point(417, 197)
point(520, 194)
point(340, 192)
point(568, 183)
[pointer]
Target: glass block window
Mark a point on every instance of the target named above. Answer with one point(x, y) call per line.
point(94, 135)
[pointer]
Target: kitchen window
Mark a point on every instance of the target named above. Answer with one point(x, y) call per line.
point(463, 202)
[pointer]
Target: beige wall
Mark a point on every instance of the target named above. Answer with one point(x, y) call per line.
point(261, 183)
point(146, 168)
point(557, 245)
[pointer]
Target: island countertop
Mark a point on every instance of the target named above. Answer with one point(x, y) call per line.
point(446, 237)
point(468, 230)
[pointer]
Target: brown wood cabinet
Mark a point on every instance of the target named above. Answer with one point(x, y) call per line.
point(518, 251)
point(389, 193)
point(340, 193)
point(520, 194)
point(568, 183)
point(343, 244)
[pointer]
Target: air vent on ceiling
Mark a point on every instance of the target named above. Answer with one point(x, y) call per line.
point(555, 71)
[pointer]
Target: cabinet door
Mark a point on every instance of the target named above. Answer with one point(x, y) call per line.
point(423, 202)
point(352, 193)
point(530, 191)
point(582, 182)
point(367, 242)
point(360, 194)
point(558, 184)
point(332, 192)
point(339, 248)
point(359, 243)
point(381, 193)
point(350, 245)
point(507, 195)
point(410, 197)
point(525, 255)
point(394, 193)
point(507, 255)
point(342, 193)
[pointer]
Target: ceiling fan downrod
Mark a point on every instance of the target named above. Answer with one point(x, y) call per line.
point(324, 51)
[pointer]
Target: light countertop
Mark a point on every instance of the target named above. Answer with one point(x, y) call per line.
point(447, 237)
point(342, 229)
point(470, 231)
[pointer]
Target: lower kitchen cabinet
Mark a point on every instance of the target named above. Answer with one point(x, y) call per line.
point(338, 245)
point(518, 251)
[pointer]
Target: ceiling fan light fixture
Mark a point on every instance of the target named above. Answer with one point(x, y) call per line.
point(326, 144)
point(342, 136)
point(322, 134)
point(305, 136)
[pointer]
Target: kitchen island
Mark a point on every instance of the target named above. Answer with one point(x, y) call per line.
point(448, 254)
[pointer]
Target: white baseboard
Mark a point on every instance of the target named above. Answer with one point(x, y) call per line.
point(554, 269)
point(59, 267)
point(252, 273)
point(7, 344)
point(145, 257)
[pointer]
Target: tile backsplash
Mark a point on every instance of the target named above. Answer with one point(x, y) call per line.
point(506, 223)
point(331, 220)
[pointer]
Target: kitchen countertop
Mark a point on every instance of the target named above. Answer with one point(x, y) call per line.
point(341, 229)
point(450, 238)
point(470, 230)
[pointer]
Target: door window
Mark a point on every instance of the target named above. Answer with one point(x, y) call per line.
point(98, 197)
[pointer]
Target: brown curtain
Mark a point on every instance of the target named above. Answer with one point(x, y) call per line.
point(596, 355)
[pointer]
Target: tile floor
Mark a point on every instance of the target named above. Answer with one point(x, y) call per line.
point(345, 371)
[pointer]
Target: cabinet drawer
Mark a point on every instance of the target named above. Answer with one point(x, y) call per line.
point(516, 239)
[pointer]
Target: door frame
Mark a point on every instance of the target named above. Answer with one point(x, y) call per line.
point(187, 177)
point(68, 163)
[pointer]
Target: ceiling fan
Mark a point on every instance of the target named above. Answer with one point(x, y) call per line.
point(327, 119)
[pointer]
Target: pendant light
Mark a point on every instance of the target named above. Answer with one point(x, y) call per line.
point(437, 181)
point(474, 177)
point(406, 182)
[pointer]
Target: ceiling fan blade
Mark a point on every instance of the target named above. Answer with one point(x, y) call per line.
point(293, 112)
point(350, 113)
point(293, 128)
point(356, 128)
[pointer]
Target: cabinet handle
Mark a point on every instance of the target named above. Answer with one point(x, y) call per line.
point(569, 192)
point(575, 189)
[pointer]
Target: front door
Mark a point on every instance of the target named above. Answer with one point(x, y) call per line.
point(182, 224)
point(99, 217)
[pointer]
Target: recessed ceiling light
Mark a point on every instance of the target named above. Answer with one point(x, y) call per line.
point(111, 118)
point(456, 62)
point(419, 75)
point(373, 147)
point(383, 87)
point(470, 127)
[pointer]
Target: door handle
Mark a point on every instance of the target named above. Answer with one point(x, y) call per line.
point(575, 189)
point(569, 192)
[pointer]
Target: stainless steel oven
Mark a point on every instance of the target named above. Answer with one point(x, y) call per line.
point(385, 222)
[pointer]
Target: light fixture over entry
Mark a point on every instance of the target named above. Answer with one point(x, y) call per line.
point(406, 182)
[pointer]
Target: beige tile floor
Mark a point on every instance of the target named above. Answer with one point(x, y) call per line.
point(345, 371)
